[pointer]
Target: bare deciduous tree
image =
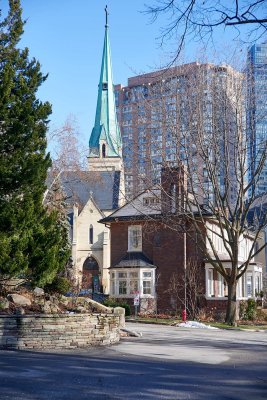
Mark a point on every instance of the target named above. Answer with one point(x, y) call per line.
point(69, 166)
point(199, 19)
point(194, 289)
point(202, 115)
point(68, 151)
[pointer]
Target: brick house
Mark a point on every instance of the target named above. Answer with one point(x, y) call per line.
point(149, 258)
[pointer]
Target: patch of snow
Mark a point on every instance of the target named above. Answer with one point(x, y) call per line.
point(195, 324)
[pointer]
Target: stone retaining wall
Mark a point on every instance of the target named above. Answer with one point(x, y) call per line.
point(58, 331)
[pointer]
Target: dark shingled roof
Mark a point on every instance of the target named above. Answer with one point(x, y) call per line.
point(134, 259)
point(104, 187)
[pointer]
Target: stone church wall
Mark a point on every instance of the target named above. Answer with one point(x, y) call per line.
point(58, 331)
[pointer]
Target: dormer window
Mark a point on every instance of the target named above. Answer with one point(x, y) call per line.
point(104, 86)
point(150, 201)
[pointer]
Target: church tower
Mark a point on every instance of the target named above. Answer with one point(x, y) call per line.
point(105, 144)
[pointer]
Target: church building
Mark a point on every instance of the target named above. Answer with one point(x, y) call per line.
point(96, 193)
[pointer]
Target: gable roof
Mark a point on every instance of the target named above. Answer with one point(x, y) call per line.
point(103, 187)
point(145, 206)
point(136, 208)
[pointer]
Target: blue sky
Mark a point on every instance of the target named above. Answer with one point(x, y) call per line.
point(66, 36)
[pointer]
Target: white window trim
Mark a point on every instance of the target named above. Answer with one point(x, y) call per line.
point(114, 282)
point(210, 283)
point(220, 285)
point(253, 272)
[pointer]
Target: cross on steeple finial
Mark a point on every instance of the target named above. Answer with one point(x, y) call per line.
point(106, 11)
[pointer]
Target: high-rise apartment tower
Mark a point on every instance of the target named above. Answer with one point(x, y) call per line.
point(158, 113)
point(257, 110)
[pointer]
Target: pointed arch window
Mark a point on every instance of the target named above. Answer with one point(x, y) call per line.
point(103, 150)
point(91, 234)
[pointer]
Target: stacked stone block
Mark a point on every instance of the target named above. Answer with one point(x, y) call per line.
point(58, 331)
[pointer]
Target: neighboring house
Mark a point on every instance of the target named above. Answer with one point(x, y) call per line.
point(248, 285)
point(261, 257)
point(149, 258)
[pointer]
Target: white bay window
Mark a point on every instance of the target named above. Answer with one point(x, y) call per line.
point(127, 283)
point(248, 285)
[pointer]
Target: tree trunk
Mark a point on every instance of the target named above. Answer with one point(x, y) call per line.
point(231, 304)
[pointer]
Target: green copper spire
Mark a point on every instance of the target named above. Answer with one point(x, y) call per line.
point(106, 129)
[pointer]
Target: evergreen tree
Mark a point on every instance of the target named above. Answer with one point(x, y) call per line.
point(32, 240)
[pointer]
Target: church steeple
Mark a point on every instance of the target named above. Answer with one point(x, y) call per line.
point(105, 140)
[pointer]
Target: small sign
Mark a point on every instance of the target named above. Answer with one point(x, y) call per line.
point(136, 299)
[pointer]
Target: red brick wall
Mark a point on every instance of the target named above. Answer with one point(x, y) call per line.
point(164, 247)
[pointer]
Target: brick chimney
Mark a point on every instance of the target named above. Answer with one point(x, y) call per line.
point(174, 186)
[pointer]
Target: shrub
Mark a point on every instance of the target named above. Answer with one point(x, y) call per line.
point(250, 310)
point(59, 285)
point(118, 303)
point(242, 309)
point(260, 315)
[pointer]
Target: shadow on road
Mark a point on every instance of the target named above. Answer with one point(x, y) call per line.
point(103, 374)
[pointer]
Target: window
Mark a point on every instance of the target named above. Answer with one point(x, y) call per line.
point(249, 285)
point(210, 283)
point(129, 282)
point(147, 274)
point(133, 287)
point(146, 287)
point(135, 238)
point(147, 282)
point(91, 234)
point(257, 285)
point(150, 201)
point(240, 287)
point(122, 287)
point(220, 285)
point(103, 150)
point(146, 201)
point(112, 288)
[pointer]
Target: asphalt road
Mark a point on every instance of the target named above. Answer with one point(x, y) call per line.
point(165, 363)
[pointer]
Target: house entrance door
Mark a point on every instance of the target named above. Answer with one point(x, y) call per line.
point(90, 279)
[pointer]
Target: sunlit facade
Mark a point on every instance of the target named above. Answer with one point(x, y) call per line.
point(257, 110)
point(158, 112)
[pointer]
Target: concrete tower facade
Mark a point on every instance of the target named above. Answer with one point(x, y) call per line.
point(257, 110)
